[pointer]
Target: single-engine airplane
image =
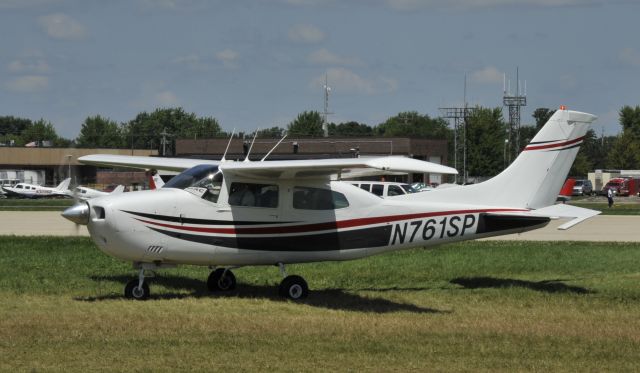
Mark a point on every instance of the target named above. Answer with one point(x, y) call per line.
point(231, 214)
point(25, 190)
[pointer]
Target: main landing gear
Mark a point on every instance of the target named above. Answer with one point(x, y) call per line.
point(293, 287)
point(221, 279)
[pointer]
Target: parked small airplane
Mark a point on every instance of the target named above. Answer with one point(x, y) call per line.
point(85, 193)
point(25, 190)
point(230, 214)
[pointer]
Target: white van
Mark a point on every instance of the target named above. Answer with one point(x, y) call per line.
point(384, 189)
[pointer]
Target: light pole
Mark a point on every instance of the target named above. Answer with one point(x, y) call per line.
point(69, 164)
point(504, 154)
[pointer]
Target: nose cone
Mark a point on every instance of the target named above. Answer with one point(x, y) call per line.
point(78, 214)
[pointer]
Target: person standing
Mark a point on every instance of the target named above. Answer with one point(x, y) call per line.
point(610, 197)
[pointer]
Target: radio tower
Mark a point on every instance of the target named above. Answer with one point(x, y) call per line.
point(514, 103)
point(459, 116)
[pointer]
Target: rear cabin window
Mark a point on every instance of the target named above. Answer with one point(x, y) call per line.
point(253, 195)
point(305, 198)
point(378, 190)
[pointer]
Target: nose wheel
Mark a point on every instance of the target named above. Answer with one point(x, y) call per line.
point(137, 289)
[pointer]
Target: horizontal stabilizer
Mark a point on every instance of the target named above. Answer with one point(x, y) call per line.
point(559, 211)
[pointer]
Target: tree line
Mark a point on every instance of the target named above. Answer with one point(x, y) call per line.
point(485, 133)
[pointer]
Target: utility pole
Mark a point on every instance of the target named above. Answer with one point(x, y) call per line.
point(164, 141)
point(325, 114)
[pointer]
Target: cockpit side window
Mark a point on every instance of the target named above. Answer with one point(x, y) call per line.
point(305, 198)
point(253, 195)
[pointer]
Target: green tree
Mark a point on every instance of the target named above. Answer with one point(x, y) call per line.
point(350, 129)
point(485, 142)
point(413, 124)
point(308, 123)
point(12, 128)
point(541, 116)
point(147, 130)
point(625, 151)
point(40, 130)
point(99, 132)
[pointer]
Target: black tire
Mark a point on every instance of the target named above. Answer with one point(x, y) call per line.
point(294, 287)
point(131, 291)
point(216, 281)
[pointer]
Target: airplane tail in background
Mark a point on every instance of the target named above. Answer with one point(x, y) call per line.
point(64, 185)
point(155, 181)
point(534, 179)
point(118, 189)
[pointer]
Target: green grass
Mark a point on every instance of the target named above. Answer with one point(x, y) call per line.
point(474, 306)
point(42, 204)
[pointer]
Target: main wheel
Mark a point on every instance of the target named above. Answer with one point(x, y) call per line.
point(220, 281)
point(294, 287)
point(132, 291)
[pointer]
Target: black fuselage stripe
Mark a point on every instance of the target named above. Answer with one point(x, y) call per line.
point(331, 241)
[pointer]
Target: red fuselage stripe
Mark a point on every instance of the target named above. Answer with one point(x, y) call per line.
point(323, 226)
point(556, 145)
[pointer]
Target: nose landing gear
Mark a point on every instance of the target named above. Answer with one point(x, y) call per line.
point(137, 289)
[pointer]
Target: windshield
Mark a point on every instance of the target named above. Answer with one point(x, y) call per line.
point(204, 181)
point(191, 176)
point(579, 183)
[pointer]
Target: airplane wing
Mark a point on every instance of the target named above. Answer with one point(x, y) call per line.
point(317, 168)
point(322, 168)
point(144, 163)
point(559, 211)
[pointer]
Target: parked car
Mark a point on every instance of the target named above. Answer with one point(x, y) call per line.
point(384, 189)
point(582, 187)
point(630, 186)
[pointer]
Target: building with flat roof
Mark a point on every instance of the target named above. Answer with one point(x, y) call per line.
point(58, 163)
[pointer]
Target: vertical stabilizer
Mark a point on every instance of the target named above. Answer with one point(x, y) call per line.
point(64, 185)
point(534, 179)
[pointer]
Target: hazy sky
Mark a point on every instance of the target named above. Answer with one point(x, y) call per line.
point(258, 63)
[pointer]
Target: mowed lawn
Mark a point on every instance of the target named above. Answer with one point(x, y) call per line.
point(475, 306)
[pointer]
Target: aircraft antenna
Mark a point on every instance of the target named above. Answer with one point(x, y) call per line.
point(246, 159)
point(274, 148)
point(228, 144)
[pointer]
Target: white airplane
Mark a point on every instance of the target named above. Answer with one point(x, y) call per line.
point(85, 193)
point(227, 215)
point(25, 190)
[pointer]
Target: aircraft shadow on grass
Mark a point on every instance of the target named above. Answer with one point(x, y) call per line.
point(336, 299)
point(546, 286)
